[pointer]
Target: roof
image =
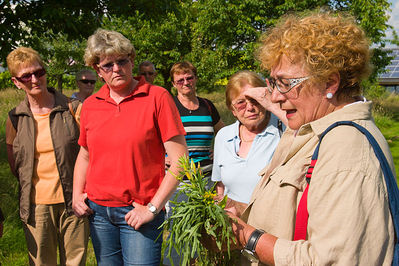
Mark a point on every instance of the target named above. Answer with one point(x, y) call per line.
point(392, 74)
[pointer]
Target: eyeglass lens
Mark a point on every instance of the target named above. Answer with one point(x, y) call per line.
point(241, 104)
point(109, 66)
point(28, 77)
point(282, 86)
point(279, 84)
point(181, 81)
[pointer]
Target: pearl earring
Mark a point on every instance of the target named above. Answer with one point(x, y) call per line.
point(329, 95)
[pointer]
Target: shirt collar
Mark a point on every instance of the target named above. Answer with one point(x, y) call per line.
point(358, 111)
point(271, 128)
point(142, 87)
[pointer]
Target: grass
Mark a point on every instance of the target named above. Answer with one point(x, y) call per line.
point(12, 244)
point(386, 116)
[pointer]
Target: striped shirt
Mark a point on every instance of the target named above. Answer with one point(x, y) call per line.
point(199, 126)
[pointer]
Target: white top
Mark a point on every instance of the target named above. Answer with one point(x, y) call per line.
point(240, 175)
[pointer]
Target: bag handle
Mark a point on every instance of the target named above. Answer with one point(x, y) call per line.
point(75, 114)
point(301, 222)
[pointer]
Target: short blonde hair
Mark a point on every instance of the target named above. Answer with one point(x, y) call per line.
point(22, 57)
point(238, 80)
point(182, 68)
point(325, 44)
point(106, 42)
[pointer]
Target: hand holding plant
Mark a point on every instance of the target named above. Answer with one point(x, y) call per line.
point(198, 218)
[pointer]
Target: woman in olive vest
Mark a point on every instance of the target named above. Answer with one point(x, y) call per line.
point(41, 135)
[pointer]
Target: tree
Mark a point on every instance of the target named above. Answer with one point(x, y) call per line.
point(218, 36)
point(225, 33)
point(76, 19)
point(22, 20)
point(63, 56)
point(395, 39)
point(162, 41)
point(59, 28)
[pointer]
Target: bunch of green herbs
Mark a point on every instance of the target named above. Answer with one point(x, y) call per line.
point(198, 216)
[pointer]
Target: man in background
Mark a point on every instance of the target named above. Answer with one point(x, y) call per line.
point(147, 69)
point(85, 81)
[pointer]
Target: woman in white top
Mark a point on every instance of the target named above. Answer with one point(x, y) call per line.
point(243, 148)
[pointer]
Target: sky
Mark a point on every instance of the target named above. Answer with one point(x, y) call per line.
point(394, 19)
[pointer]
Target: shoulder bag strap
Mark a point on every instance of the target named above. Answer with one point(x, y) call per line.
point(74, 109)
point(208, 105)
point(392, 188)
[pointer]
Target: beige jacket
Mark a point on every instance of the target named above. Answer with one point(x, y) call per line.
point(349, 218)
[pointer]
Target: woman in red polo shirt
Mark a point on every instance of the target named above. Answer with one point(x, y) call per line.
point(119, 179)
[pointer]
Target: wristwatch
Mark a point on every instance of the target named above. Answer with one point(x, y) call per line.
point(152, 208)
point(249, 249)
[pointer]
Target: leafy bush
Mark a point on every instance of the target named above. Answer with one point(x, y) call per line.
point(68, 82)
point(373, 91)
point(5, 80)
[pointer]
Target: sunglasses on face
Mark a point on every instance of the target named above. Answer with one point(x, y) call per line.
point(87, 81)
point(241, 104)
point(110, 66)
point(181, 81)
point(284, 85)
point(28, 76)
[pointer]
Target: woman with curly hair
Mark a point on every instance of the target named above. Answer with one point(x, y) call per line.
point(343, 216)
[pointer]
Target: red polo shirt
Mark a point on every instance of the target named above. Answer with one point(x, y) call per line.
point(125, 143)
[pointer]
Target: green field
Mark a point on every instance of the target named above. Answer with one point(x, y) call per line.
point(12, 245)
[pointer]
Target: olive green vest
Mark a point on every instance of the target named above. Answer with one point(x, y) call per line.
point(64, 133)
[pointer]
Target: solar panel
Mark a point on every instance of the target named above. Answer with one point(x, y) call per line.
point(393, 68)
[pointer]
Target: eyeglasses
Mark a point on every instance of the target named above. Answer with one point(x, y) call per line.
point(28, 76)
point(241, 104)
point(181, 81)
point(110, 66)
point(284, 85)
point(87, 81)
point(147, 73)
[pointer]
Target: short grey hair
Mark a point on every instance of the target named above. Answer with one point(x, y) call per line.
point(83, 72)
point(107, 42)
point(147, 63)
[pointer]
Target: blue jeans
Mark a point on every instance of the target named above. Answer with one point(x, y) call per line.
point(117, 243)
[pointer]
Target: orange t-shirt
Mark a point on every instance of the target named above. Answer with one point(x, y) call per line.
point(46, 184)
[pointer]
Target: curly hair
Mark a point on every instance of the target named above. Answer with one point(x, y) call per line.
point(239, 80)
point(106, 42)
point(324, 44)
point(22, 57)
